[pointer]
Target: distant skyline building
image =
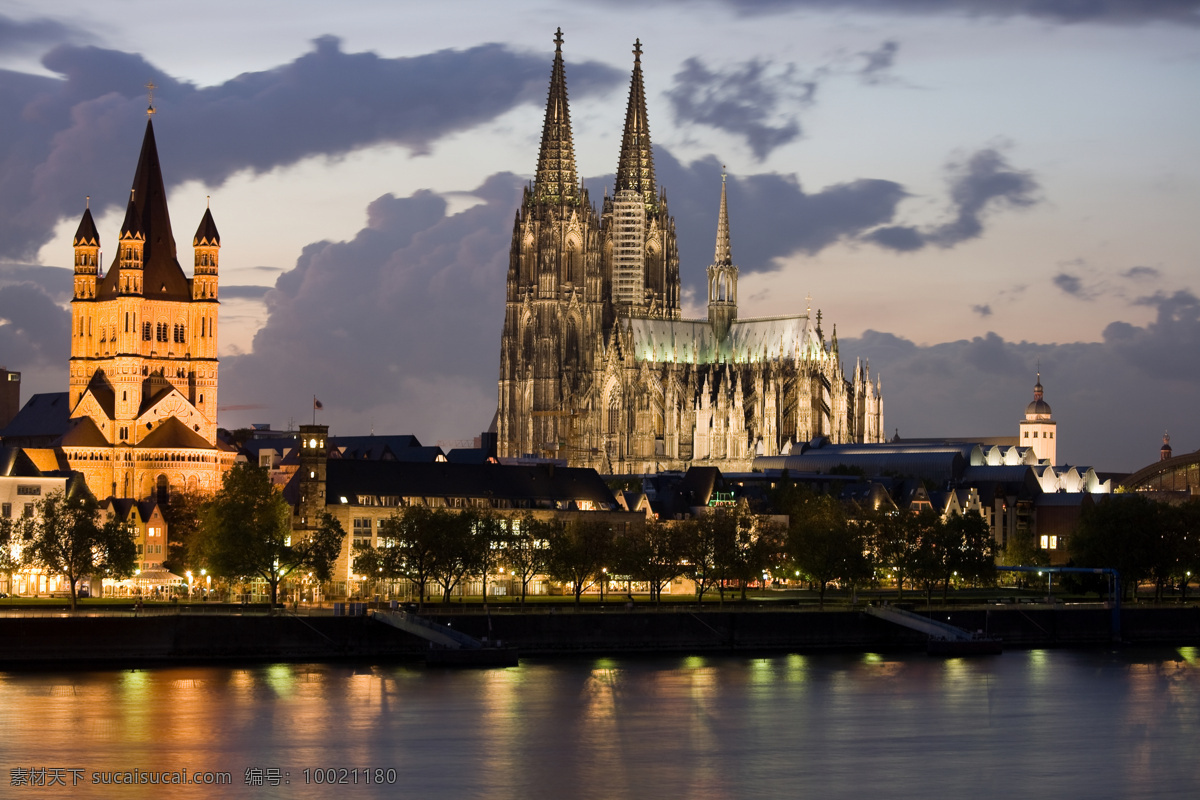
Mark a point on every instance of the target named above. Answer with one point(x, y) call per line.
point(597, 366)
point(143, 368)
point(1038, 428)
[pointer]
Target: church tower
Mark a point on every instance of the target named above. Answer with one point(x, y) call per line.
point(722, 277)
point(143, 370)
point(1038, 428)
point(639, 241)
point(556, 303)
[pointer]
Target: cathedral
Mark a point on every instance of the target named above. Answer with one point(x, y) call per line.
point(143, 370)
point(598, 368)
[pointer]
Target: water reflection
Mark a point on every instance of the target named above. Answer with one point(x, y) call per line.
point(1045, 723)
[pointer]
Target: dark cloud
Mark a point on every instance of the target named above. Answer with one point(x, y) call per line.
point(878, 62)
point(979, 185)
point(1112, 399)
point(1072, 285)
point(34, 330)
point(244, 292)
point(30, 34)
point(748, 101)
point(1114, 12)
point(79, 135)
point(982, 310)
point(399, 326)
point(1141, 273)
point(770, 215)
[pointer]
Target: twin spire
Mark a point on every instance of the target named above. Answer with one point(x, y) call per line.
point(635, 167)
point(556, 179)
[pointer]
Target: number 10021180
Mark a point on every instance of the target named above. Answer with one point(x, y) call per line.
point(344, 775)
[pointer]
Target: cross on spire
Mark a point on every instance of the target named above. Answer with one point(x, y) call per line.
point(558, 39)
point(150, 87)
point(637, 49)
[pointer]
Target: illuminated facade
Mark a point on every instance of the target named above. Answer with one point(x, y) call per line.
point(1038, 427)
point(597, 366)
point(143, 372)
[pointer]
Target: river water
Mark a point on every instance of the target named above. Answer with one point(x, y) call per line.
point(1061, 724)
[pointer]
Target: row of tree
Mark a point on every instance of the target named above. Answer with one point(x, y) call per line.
point(1144, 540)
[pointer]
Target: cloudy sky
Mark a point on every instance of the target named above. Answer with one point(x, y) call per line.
point(966, 188)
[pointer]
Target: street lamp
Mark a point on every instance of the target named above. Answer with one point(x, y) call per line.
point(603, 580)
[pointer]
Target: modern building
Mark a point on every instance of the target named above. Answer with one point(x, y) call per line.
point(143, 370)
point(599, 369)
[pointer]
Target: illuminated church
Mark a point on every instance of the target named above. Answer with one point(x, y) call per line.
point(597, 365)
point(143, 371)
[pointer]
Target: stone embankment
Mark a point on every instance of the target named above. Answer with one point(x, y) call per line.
point(155, 639)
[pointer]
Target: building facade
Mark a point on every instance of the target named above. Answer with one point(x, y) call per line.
point(143, 371)
point(597, 365)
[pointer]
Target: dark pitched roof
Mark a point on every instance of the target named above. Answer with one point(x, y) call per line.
point(84, 433)
point(86, 233)
point(44, 415)
point(537, 483)
point(162, 277)
point(15, 464)
point(171, 433)
point(207, 233)
point(467, 455)
point(102, 390)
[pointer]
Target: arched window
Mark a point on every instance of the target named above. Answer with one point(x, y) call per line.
point(162, 489)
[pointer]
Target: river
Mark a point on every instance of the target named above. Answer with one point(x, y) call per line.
point(1040, 723)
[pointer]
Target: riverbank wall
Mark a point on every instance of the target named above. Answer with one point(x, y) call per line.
point(147, 640)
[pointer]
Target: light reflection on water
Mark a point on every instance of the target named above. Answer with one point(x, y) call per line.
point(1039, 723)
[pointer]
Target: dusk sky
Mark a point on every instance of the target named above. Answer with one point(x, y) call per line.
point(966, 188)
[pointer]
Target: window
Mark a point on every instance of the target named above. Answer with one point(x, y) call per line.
point(28, 510)
point(35, 491)
point(6, 510)
point(146, 331)
point(1035, 434)
point(362, 526)
point(1026, 434)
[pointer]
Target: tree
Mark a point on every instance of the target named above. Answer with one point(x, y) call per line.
point(66, 536)
point(489, 538)
point(527, 547)
point(245, 532)
point(182, 515)
point(577, 552)
point(455, 550)
point(10, 545)
point(408, 549)
point(821, 544)
point(970, 550)
point(700, 551)
point(1119, 532)
point(654, 553)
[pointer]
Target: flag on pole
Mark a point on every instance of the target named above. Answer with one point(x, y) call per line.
point(317, 405)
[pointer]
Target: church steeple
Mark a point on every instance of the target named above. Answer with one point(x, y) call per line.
point(556, 179)
point(147, 220)
point(635, 167)
point(722, 276)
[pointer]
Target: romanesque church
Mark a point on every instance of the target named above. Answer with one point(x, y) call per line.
point(597, 365)
point(143, 374)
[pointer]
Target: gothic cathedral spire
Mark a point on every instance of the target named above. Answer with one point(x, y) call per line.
point(635, 167)
point(556, 180)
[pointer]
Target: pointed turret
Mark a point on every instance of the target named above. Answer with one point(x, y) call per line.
point(207, 246)
point(635, 167)
point(86, 234)
point(87, 253)
point(147, 221)
point(556, 178)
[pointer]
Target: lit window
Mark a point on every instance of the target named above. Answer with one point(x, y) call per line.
point(1053, 542)
point(1045, 542)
